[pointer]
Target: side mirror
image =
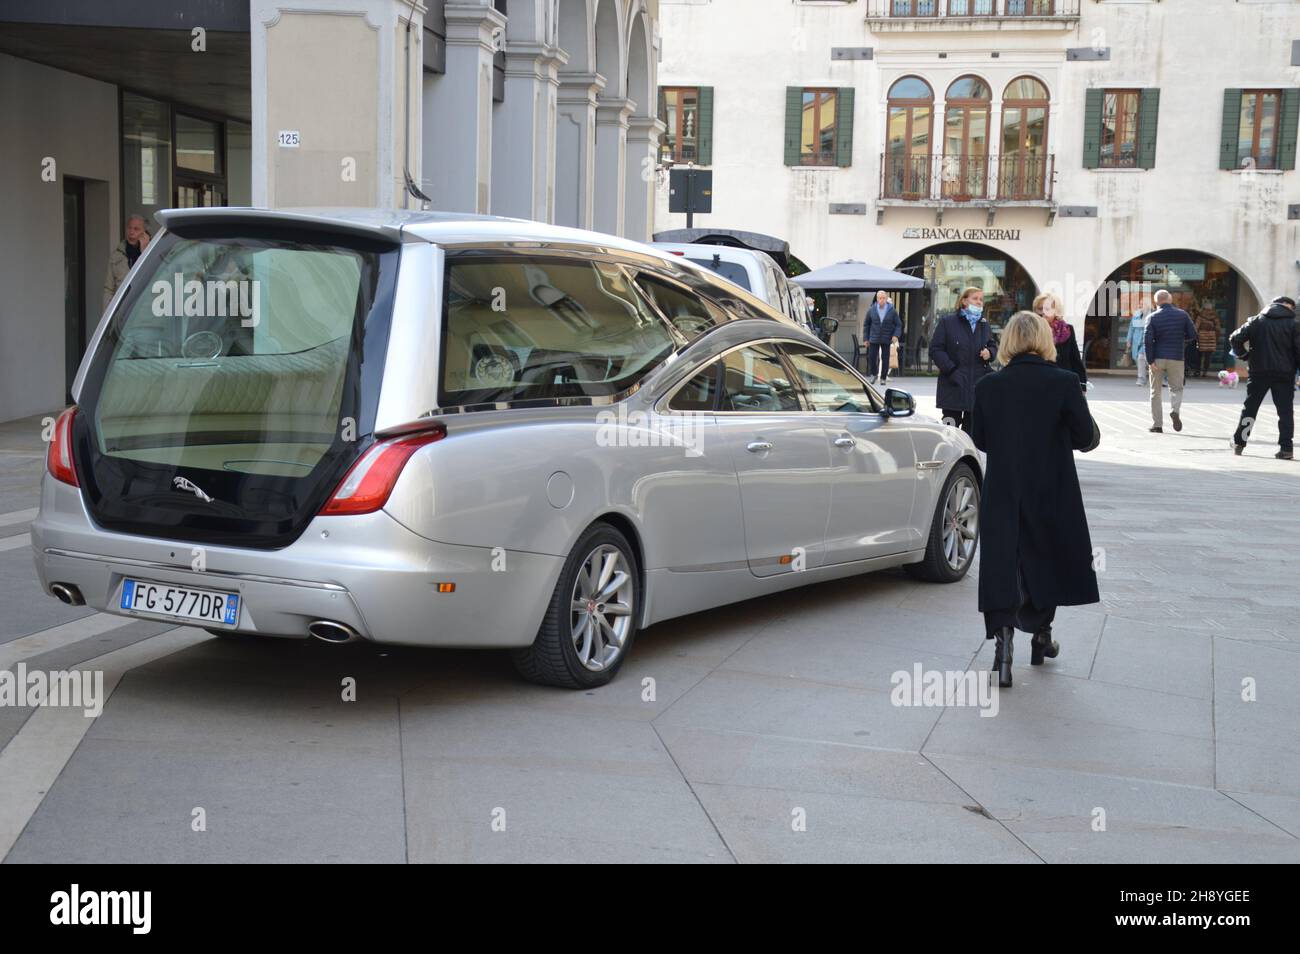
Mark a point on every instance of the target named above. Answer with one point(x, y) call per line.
point(899, 403)
point(829, 325)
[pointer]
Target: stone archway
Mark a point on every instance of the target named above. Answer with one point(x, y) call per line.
point(644, 129)
point(1207, 286)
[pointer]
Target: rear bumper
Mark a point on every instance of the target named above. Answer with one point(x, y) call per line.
point(368, 572)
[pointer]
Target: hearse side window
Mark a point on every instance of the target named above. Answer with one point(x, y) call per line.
point(699, 393)
point(731, 271)
point(755, 379)
point(522, 328)
point(828, 384)
point(690, 315)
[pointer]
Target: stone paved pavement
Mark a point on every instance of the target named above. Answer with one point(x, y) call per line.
point(765, 713)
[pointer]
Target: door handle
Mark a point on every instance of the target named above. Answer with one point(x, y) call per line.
point(845, 442)
point(757, 447)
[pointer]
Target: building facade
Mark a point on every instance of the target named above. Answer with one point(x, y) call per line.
point(540, 109)
point(1095, 148)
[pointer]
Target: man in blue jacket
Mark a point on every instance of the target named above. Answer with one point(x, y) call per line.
point(1168, 331)
point(882, 327)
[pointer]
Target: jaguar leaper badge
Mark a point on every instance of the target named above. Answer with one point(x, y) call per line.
point(182, 483)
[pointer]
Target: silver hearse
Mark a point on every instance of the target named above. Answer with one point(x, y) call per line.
point(448, 430)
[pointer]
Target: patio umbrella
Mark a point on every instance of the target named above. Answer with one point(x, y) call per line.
point(852, 275)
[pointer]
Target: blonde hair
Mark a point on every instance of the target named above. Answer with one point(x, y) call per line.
point(967, 292)
point(1026, 333)
point(1057, 308)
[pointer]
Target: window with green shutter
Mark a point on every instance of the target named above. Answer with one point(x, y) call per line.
point(1288, 128)
point(1148, 124)
point(1092, 128)
point(687, 112)
point(793, 123)
point(1231, 124)
point(813, 127)
point(706, 126)
point(1259, 129)
point(844, 127)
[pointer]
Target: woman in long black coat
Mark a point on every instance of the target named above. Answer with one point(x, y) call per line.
point(961, 348)
point(1067, 345)
point(1035, 550)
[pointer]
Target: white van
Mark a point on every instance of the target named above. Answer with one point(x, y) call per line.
point(753, 271)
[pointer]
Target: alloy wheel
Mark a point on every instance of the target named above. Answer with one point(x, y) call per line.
point(960, 523)
point(600, 617)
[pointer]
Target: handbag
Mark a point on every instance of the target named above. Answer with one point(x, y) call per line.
point(893, 356)
point(1125, 360)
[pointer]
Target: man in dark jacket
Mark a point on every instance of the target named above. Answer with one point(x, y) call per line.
point(882, 327)
point(1271, 344)
point(1169, 329)
point(961, 349)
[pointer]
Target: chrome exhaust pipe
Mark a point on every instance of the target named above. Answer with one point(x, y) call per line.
point(328, 631)
point(68, 593)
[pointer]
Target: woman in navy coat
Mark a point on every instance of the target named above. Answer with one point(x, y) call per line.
point(1035, 550)
point(961, 348)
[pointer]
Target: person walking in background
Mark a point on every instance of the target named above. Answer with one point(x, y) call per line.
point(1271, 344)
point(882, 328)
point(1035, 549)
point(1067, 346)
point(1135, 346)
point(122, 258)
point(1169, 332)
point(1208, 328)
point(961, 348)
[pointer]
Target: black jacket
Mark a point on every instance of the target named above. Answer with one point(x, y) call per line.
point(1067, 357)
point(1273, 338)
point(955, 351)
point(1029, 418)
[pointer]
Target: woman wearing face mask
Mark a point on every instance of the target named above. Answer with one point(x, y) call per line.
point(1067, 346)
point(961, 348)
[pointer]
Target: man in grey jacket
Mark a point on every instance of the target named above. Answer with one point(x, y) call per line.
point(124, 256)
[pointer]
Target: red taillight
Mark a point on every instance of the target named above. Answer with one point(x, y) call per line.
point(366, 487)
point(58, 459)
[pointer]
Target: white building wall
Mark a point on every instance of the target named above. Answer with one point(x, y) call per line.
point(751, 50)
point(49, 114)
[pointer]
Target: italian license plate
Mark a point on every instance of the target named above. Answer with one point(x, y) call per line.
point(180, 602)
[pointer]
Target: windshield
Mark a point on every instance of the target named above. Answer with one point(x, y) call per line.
point(527, 328)
point(232, 356)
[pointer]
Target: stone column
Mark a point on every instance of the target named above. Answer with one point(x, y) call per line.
point(331, 81)
point(575, 148)
point(523, 145)
point(458, 111)
point(643, 134)
point(611, 163)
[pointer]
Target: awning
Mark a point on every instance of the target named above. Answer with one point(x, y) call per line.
point(855, 276)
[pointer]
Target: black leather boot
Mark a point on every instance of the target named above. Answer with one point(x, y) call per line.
point(1042, 645)
point(1002, 643)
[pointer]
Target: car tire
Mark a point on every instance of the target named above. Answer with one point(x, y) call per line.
point(937, 566)
point(567, 653)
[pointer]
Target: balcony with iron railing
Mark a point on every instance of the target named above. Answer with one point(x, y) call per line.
point(971, 15)
point(1014, 179)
